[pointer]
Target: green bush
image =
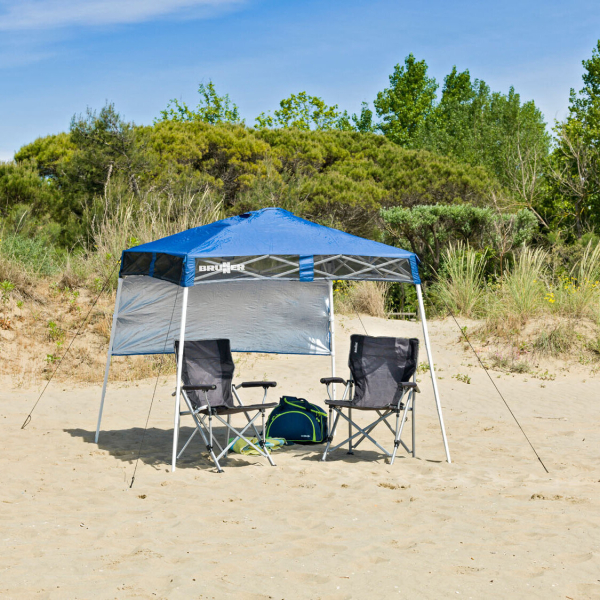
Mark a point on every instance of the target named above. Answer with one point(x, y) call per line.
point(33, 255)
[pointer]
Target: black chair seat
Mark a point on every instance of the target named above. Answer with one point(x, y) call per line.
point(232, 410)
point(350, 404)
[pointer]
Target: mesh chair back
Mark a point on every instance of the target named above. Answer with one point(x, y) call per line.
point(208, 362)
point(378, 365)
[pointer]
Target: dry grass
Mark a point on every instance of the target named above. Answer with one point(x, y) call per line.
point(50, 294)
point(521, 348)
point(23, 281)
point(527, 313)
point(40, 332)
point(128, 221)
point(508, 362)
point(556, 341)
point(366, 297)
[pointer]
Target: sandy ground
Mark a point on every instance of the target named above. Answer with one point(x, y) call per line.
point(492, 524)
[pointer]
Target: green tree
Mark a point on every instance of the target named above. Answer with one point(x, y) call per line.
point(493, 130)
point(338, 178)
point(21, 184)
point(408, 102)
point(575, 165)
point(212, 108)
point(106, 146)
point(50, 154)
point(28, 203)
point(302, 111)
point(362, 123)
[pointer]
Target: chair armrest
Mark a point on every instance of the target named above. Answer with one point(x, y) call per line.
point(410, 385)
point(328, 380)
point(201, 388)
point(255, 384)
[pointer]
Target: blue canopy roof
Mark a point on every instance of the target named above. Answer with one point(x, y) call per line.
point(270, 232)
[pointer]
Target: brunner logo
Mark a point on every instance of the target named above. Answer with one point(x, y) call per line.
point(224, 267)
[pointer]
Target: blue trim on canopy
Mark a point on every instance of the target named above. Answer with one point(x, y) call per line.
point(307, 268)
point(414, 267)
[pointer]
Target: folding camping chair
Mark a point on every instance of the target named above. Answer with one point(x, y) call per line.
point(207, 374)
point(382, 379)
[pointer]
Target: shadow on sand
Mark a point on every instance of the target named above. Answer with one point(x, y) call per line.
point(124, 444)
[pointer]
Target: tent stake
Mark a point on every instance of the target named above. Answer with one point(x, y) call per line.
point(432, 369)
point(109, 355)
point(179, 367)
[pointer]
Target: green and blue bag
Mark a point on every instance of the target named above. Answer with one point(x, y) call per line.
point(297, 421)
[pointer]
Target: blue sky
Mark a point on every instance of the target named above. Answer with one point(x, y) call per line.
point(59, 56)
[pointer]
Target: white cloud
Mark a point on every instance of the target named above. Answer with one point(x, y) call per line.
point(18, 15)
point(6, 155)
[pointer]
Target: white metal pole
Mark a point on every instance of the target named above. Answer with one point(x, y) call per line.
point(432, 370)
point(332, 334)
point(179, 367)
point(332, 344)
point(109, 355)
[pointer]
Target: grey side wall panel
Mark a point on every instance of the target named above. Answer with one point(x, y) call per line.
point(285, 317)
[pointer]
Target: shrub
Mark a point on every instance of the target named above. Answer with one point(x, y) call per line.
point(429, 230)
point(511, 364)
point(32, 255)
point(559, 340)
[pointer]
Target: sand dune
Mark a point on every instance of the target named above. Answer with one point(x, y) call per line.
point(493, 524)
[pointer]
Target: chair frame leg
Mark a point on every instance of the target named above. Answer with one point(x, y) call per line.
point(412, 419)
point(263, 439)
point(187, 443)
point(210, 444)
point(365, 433)
point(350, 431)
point(399, 430)
point(331, 427)
point(227, 435)
point(396, 440)
point(240, 435)
point(200, 427)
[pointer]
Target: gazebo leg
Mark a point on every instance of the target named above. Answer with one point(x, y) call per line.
point(432, 370)
point(179, 367)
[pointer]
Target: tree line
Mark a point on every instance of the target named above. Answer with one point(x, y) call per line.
point(422, 165)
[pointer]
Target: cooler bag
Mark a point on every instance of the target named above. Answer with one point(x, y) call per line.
point(298, 421)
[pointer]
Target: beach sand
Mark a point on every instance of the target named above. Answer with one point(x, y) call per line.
point(492, 524)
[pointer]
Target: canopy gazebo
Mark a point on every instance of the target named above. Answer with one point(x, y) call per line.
point(263, 279)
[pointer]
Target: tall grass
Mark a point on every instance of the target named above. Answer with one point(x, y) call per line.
point(561, 305)
point(367, 297)
point(24, 260)
point(460, 286)
point(128, 221)
point(578, 294)
point(33, 255)
point(523, 289)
